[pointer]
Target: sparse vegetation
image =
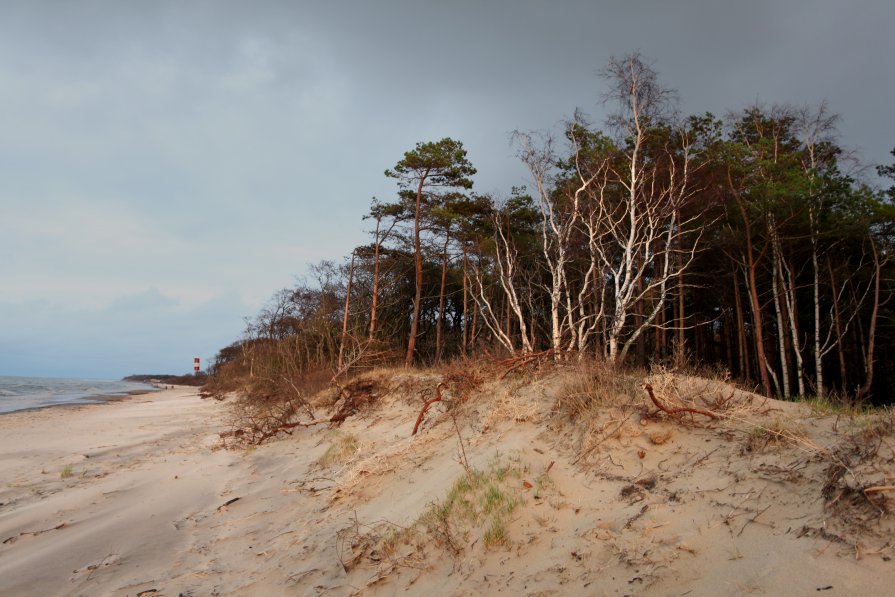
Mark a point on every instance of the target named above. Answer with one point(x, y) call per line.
point(747, 473)
point(542, 483)
point(341, 449)
point(496, 534)
point(481, 499)
point(835, 404)
point(776, 432)
point(594, 385)
point(198, 379)
point(257, 417)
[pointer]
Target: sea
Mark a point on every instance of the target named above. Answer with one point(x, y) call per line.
point(21, 393)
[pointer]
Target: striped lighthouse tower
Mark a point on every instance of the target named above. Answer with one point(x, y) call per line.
point(196, 365)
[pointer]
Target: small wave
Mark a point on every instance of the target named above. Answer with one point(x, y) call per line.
point(18, 393)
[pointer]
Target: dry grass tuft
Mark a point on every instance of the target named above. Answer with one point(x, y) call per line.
point(376, 465)
point(342, 448)
point(593, 386)
point(835, 404)
point(777, 432)
point(509, 406)
point(716, 395)
point(465, 375)
point(858, 468)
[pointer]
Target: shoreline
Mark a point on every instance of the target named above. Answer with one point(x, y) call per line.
point(96, 500)
point(88, 400)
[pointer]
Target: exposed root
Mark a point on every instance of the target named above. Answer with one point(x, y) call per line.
point(438, 398)
point(426, 406)
point(676, 410)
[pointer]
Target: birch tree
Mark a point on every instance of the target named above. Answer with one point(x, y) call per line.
point(818, 129)
point(643, 252)
point(556, 223)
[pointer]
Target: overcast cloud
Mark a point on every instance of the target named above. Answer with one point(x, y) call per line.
point(165, 166)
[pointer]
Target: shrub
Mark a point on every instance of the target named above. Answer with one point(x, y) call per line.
point(595, 384)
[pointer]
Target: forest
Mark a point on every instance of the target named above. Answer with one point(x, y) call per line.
point(751, 244)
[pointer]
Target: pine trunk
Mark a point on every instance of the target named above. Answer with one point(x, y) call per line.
point(418, 267)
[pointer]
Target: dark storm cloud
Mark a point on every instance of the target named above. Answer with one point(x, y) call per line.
point(220, 146)
point(528, 64)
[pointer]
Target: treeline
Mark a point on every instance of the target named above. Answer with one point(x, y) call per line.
point(746, 243)
point(198, 379)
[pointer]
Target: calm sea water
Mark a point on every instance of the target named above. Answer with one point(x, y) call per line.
point(18, 393)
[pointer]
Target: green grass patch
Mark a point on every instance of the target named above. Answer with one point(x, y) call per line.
point(478, 502)
point(497, 534)
point(833, 404)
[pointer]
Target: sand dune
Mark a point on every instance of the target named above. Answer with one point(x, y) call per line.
point(136, 498)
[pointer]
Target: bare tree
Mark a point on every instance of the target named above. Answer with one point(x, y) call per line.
point(560, 204)
point(378, 212)
point(556, 226)
point(507, 263)
point(880, 258)
point(643, 249)
point(345, 313)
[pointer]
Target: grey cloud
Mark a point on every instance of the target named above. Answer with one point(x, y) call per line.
point(251, 135)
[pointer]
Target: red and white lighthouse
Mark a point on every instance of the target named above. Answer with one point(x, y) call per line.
point(196, 365)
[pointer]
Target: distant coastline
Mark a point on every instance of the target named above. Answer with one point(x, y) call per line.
point(166, 379)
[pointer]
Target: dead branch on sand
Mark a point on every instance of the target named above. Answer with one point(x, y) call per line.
point(520, 361)
point(354, 396)
point(676, 410)
point(879, 488)
point(15, 538)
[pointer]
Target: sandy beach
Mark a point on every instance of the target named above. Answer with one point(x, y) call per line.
point(94, 496)
point(136, 497)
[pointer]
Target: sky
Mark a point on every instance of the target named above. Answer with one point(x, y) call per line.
point(166, 166)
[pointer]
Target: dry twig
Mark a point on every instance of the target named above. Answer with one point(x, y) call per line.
point(879, 488)
point(523, 360)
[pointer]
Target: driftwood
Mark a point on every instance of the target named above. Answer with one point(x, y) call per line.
point(675, 411)
point(228, 502)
